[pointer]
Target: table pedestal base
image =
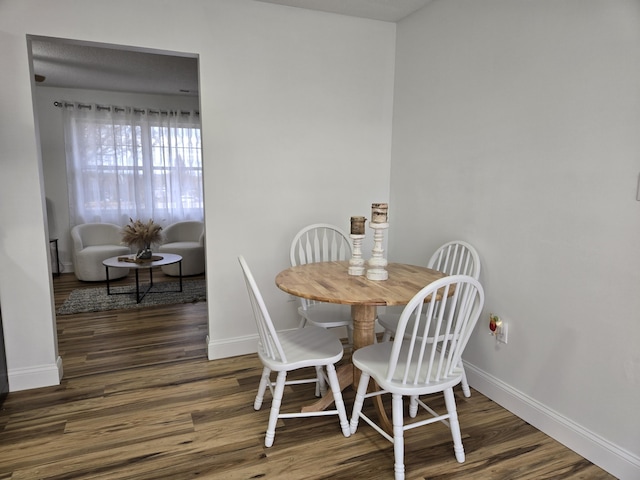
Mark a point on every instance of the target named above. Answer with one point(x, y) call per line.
point(345, 378)
point(364, 321)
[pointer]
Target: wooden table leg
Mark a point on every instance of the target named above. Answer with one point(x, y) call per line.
point(345, 378)
point(364, 326)
point(362, 336)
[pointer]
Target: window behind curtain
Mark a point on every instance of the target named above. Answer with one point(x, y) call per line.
point(133, 163)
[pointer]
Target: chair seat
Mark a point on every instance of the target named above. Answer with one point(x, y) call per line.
point(374, 360)
point(305, 347)
point(389, 321)
point(327, 315)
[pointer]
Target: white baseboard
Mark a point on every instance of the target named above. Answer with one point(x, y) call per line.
point(35, 377)
point(608, 456)
point(231, 347)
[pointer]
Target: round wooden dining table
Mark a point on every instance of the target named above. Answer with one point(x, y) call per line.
point(331, 282)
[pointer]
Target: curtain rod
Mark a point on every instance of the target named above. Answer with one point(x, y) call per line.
point(121, 109)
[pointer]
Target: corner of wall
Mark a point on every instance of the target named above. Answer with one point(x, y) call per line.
point(615, 460)
point(35, 377)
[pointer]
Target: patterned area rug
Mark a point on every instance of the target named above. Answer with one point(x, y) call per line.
point(96, 299)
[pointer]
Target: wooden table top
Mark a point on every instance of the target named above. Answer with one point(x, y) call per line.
point(331, 282)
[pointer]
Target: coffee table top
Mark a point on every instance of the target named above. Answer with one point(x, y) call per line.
point(166, 259)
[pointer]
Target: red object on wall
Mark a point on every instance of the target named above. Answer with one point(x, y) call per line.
point(492, 324)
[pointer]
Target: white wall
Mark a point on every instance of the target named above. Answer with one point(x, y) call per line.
point(49, 119)
point(516, 128)
point(26, 291)
point(296, 111)
point(516, 120)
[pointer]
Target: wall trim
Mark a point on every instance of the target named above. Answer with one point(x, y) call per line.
point(65, 267)
point(231, 347)
point(35, 377)
point(598, 450)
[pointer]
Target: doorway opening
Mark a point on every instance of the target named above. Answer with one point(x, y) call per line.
point(88, 73)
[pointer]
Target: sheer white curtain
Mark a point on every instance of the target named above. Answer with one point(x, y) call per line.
point(132, 163)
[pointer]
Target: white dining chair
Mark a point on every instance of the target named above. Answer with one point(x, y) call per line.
point(290, 350)
point(423, 359)
point(322, 242)
point(453, 258)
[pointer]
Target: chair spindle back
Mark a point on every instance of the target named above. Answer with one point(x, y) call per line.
point(320, 242)
point(456, 258)
point(432, 335)
point(269, 344)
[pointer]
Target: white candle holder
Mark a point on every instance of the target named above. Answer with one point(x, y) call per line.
point(377, 262)
point(356, 263)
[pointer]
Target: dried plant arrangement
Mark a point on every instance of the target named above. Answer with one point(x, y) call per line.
point(141, 235)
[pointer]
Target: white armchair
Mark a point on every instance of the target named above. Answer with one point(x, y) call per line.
point(91, 244)
point(187, 240)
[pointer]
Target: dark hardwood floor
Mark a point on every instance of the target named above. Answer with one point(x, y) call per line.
point(140, 400)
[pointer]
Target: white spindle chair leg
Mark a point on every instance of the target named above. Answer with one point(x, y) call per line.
point(262, 387)
point(413, 406)
point(339, 402)
point(398, 435)
point(359, 400)
point(275, 408)
point(465, 384)
point(386, 336)
point(321, 384)
point(454, 425)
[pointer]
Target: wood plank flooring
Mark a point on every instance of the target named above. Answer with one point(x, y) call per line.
point(140, 400)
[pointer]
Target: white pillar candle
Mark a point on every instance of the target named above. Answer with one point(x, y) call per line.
point(379, 212)
point(357, 225)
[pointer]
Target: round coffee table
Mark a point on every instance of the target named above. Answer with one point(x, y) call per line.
point(130, 261)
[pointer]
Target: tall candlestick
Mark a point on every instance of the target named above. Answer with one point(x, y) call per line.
point(357, 225)
point(379, 212)
point(377, 262)
point(356, 262)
